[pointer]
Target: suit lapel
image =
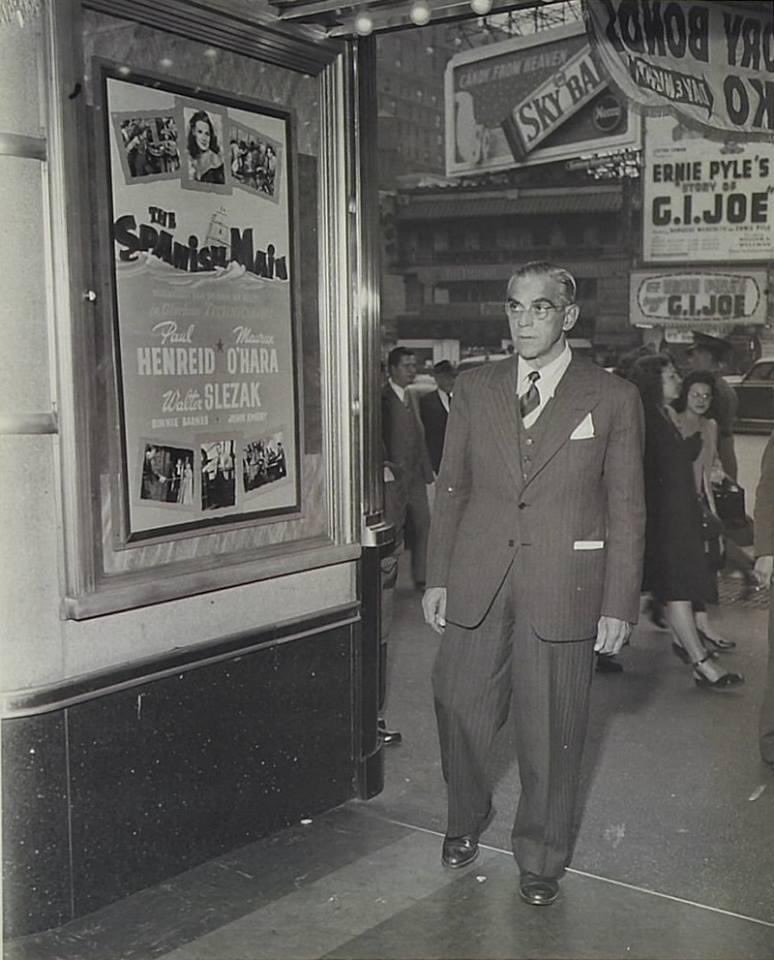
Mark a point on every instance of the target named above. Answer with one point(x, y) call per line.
point(575, 396)
point(505, 417)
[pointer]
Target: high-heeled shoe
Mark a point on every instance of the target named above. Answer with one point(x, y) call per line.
point(726, 681)
point(717, 642)
point(682, 654)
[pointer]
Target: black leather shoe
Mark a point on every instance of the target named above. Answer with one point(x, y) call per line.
point(538, 891)
point(608, 664)
point(459, 851)
point(388, 736)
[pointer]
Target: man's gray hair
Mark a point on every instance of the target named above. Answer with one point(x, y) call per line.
point(543, 268)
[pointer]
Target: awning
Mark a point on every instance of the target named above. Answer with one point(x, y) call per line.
point(339, 17)
point(449, 208)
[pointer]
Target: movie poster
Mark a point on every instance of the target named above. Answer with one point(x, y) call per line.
point(201, 237)
point(705, 201)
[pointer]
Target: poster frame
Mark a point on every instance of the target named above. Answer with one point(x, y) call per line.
point(123, 533)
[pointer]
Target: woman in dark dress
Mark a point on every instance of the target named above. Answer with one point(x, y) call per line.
point(676, 570)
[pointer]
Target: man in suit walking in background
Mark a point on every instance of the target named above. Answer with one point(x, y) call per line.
point(407, 472)
point(434, 411)
point(535, 559)
point(763, 523)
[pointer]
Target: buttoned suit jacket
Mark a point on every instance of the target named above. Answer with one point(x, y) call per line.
point(403, 440)
point(576, 495)
point(434, 417)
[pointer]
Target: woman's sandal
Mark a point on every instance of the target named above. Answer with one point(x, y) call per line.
point(725, 681)
point(682, 654)
point(717, 642)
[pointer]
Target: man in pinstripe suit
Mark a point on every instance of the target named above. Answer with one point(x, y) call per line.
point(534, 563)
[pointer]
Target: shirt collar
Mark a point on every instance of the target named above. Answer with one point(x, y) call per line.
point(400, 392)
point(550, 374)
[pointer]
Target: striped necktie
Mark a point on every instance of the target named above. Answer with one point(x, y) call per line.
point(530, 400)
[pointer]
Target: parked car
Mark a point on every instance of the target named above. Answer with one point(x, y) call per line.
point(755, 392)
point(468, 363)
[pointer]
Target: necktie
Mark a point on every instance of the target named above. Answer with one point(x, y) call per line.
point(530, 400)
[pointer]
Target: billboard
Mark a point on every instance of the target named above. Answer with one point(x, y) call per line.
point(711, 299)
point(707, 62)
point(531, 100)
point(705, 201)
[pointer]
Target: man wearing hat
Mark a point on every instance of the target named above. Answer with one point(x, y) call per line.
point(434, 411)
point(706, 354)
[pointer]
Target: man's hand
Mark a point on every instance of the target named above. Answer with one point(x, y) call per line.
point(434, 608)
point(764, 567)
point(612, 634)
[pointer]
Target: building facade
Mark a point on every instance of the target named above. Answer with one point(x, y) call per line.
point(451, 250)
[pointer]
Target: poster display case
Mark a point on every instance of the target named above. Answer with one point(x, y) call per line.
point(216, 387)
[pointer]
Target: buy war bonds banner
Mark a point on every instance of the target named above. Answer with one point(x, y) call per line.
point(201, 254)
point(708, 62)
point(705, 201)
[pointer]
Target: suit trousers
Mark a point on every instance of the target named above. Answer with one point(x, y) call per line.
point(479, 676)
point(418, 521)
point(766, 720)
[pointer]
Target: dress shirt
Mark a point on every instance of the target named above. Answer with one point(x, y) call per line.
point(445, 399)
point(550, 375)
point(400, 392)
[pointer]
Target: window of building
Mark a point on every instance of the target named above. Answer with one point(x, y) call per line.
point(587, 288)
point(541, 234)
point(557, 237)
point(472, 240)
point(414, 293)
point(440, 240)
point(440, 293)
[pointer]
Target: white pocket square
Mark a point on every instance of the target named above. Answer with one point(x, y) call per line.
point(588, 545)
point(584, 430)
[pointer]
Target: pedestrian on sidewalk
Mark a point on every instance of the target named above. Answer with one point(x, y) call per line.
point(407, 472)
point(534, 563)
point(763, 522)
point(676, 569)
point(707, 353)
point(434, 411)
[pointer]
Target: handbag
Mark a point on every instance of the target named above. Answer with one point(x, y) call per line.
point(729, 503)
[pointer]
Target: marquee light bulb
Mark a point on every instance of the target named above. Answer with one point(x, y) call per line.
point(481, 7)
point(363, 23)
point(420, 13)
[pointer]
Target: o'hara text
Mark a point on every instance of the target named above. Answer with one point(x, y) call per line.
point(195, 361)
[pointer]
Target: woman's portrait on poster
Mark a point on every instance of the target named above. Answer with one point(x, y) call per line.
point(205, 159)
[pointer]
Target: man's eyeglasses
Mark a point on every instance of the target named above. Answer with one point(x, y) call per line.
point(540, 309)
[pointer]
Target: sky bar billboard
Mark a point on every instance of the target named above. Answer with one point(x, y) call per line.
point(530, 100)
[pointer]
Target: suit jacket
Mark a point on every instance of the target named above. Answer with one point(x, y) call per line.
point(434, 416)
point(763, 523)
point(579, 516)
point(403, 440)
